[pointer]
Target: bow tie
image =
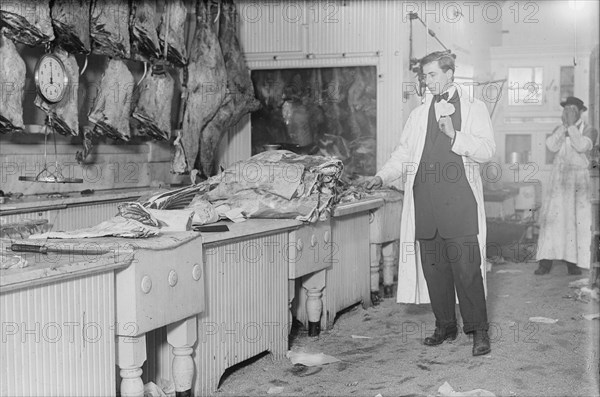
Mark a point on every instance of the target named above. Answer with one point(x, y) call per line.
point(442, 96)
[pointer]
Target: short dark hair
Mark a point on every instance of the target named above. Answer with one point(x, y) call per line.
point(445, 60)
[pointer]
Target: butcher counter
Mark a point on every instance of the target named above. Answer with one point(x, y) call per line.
point(159, 303)
point(58, 316)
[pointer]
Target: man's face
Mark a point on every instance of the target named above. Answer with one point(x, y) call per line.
point(435, 78)
point(571, 111)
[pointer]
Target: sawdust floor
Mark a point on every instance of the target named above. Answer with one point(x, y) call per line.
point(527, 359)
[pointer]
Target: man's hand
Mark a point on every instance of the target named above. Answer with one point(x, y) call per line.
point(373, 183)
point(447, 127)
point(570, 116)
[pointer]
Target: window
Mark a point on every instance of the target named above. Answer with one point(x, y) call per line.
point(525, 86)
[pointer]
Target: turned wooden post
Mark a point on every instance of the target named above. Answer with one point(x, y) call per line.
point(375, 259)
point(182, 337)
point(314, 284)
point(314, 308)
point(131, 354)
point(390, 260)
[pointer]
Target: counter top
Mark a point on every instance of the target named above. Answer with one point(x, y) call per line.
point(357, 206)
point(113, 253)
point(48, 268)
point(109, 253)
point(249, 228)
point(63, 262)
point(42, 202)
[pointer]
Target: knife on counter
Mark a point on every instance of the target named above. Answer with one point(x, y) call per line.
point(43, 249)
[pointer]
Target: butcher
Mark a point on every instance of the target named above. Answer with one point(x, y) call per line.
point(443, 231)
point(566, 214)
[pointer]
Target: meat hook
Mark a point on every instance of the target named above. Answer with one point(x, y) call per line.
point(144, 75)
point(84, 66)
point(218, 12)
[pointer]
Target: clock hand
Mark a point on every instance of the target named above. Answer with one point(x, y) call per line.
point(51, 81)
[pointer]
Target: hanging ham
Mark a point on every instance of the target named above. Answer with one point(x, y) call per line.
point(112, 107)
point(206, 85)
point(153, 110)
point(12, 84)
point(172, 30)
point(144, 37)
point(71, 23)
point(28, 21)
point(109, 28)
point(240, 98)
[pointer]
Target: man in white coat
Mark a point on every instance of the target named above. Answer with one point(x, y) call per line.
point(566, 215)
point(443, 230)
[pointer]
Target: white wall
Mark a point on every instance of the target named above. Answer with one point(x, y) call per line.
point(280, 34)
point(277, 34)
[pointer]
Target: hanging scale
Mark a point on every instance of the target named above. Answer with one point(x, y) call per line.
point(51, 83)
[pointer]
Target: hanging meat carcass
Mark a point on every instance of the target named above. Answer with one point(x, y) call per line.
point(153, 110)
point(12, 84)
point(239, 83)
point(206, 84)
point(65, 115)
point(172, 30)
point(144, 37)
point(71, 23)
point(28, 21)
point(240, 98)
point(109, 28)
point(112, 107)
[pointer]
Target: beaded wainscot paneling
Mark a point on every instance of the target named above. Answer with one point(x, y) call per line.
point(246, 311)
point(58, 339)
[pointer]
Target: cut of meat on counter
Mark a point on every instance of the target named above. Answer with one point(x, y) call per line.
point(28, 21)
point(12, 78)
point(112, 107)
point(109, 28)
point(71, 22)
point(65, 114)
point(153, 110)
point(175, 34)
point(144, 36)
point(240, 99)
point(206, 84)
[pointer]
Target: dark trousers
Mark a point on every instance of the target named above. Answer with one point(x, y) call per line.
point(449, 263)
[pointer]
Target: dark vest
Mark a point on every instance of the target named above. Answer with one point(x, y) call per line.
point(443, 198)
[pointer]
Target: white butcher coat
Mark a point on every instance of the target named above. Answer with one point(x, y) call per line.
point(475, 143)
point(566, 214)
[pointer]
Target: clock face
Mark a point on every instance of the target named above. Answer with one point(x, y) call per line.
point(51, 78)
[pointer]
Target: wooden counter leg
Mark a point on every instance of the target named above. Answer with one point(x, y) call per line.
point(390, 260)
point(375, 259)
point(131, 354)
point(182, 337)
point(314, 285)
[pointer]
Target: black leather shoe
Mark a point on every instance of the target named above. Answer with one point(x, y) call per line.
point(544, 267)
point(481, 343)
point(440, 335)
